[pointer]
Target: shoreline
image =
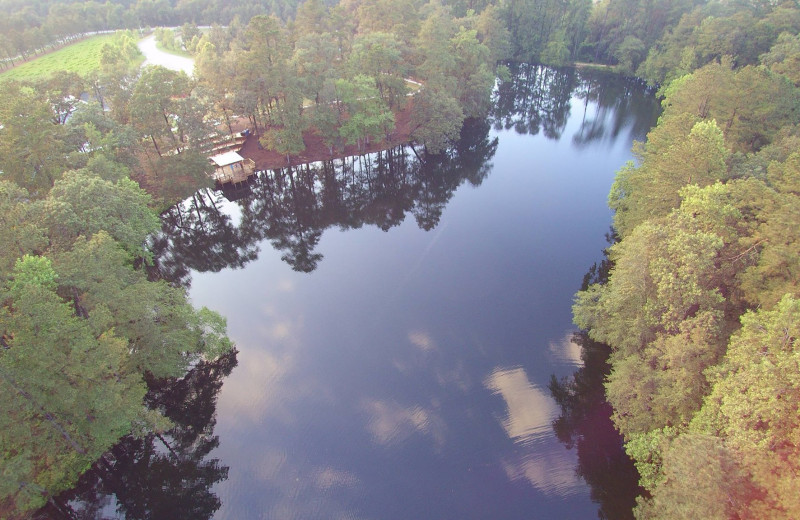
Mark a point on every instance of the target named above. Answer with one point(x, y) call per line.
point(316, 150)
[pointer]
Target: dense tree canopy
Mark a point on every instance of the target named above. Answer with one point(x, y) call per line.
point(700, 307)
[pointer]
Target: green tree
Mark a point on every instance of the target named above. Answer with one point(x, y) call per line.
point(749, 104)
point(63, 91)
point(436, 118)
point(18, 231)
point(753, 408)
point(155, 104)
point(80, 205)
point(653, 188)
point(68, 395)
point(27, 122)
point(368, 117)
point(784, 57)
point(287, 139)
point(702, 478)
point(382, 57)
point(663, 310)
point(164, 334)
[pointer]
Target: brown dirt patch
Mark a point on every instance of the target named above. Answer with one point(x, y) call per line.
point(316, 150)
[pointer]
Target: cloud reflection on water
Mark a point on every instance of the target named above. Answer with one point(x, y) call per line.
point(528, 423)
point(295, 490)
point(422, 340)
point(390, 423)
point(530, 410)
point(566, 350)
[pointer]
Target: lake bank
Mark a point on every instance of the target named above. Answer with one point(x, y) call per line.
point(315, 147)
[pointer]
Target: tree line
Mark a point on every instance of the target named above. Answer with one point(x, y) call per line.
point(657, 41)
point(345, 72)
point(32, 27)
point(84, 328)
point(701, 306)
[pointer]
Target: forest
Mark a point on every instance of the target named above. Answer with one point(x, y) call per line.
point(698, 302)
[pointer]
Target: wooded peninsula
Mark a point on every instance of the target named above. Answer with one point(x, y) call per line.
point(698, 301)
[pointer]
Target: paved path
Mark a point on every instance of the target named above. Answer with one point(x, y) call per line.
point(154, 56)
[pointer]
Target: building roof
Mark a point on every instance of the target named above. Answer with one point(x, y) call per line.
point(224, 159)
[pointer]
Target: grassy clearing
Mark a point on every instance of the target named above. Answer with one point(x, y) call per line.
point(82, 57)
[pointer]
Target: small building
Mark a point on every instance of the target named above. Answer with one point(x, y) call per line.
point(232, 168)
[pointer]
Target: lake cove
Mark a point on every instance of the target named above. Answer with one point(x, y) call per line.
point(398, 320)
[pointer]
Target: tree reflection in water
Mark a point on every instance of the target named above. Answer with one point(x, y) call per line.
point(585, 424)
point(537, 99)
point(166, 475)
point(291, 207)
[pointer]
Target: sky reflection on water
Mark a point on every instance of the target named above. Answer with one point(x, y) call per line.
point(406, 375)
point(398, 321)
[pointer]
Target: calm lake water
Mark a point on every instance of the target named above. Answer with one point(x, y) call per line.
point(398, 319)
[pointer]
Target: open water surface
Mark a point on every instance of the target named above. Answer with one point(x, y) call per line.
point(398, 318)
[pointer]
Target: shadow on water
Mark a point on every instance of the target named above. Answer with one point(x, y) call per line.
point(292, 207)
point(585, 424)
point(167, 475)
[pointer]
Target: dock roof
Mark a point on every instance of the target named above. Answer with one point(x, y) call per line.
point(224, 159)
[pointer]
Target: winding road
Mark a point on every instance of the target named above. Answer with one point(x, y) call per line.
point(154, 56)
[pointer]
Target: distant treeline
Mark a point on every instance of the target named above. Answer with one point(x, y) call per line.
point(655, 40)
point(30, 26)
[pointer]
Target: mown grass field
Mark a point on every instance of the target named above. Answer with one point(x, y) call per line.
point(82, 57)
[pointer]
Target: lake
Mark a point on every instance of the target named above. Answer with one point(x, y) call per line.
point(398, 319)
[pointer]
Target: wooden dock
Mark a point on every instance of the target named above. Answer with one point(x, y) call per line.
point(232, 168)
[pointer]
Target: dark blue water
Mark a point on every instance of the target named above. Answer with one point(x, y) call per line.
point(398, 318)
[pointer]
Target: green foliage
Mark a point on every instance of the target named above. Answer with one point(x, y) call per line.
point(702, 478)
point(712, 31)
point(708, 220)
point(543, 30)
point(158, 99)
point(663, 313)
point(652, 189)
point(749, 104)
point(436, 118)
point(18, 232)
point(80, 206)
point(80, 332)
point(382, 57)
point(705, 116)
point(368, 116)
point(355, 62)
point(31, 271)
point(28, 121)
point(646, 449)
point(784, 57)
point(753, 407)
point(178, 176)
point(68, 396)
